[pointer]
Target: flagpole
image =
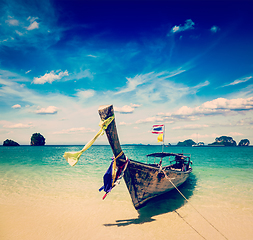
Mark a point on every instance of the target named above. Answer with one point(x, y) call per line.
point(159, 129)
point(163, 137)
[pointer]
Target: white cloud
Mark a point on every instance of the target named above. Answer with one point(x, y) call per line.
point(158, 87)
point(234, 134)
point(19, 33)
point(238, 81)
point(75, 130)
point(175, 29)
point(48, 110)
point(187, 26)
point(16, 106)
point(214, 29)
point(31, 32)
point(139, 80)
point(125, 109)
point(135, 105)
point(28, 71)
point(124, 124)
point(93, 56)
point(132, 83)
point(50, 77)
point(11, 90)
point(223, 104)
point(219, 106)
point(12, 21)
point(19, 126)
point(150, 120)
point(33, 24)
point(214, 107)
point(204, 84)
point(191, 126)
point(5, 40)
point(83, 95)
point(32, 19)
point(184, 111)
point(80, 75)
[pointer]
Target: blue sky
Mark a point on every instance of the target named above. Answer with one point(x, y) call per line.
point(185, 64)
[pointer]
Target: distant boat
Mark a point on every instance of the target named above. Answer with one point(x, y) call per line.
point(146, 181)
point(199, 144)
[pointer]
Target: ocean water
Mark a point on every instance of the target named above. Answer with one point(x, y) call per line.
point(221, 184)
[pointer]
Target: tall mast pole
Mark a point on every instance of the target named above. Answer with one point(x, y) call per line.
point(163, 137)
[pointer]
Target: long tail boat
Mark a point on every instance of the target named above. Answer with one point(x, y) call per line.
point(146, 181)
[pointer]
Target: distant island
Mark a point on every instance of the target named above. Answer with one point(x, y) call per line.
point(186, 143)
point(10, 143)
point(223, 141)
point(244, 142)
point(37, 140)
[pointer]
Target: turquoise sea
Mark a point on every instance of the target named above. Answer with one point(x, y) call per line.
point(221, 186)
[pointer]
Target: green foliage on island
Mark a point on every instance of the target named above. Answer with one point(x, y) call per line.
point(186, 143)
point(9, 142)
point(223, 141)
point(37, 140)
point(201, 144)
point(244, 142)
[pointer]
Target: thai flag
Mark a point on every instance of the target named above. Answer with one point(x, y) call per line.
point(157, 129)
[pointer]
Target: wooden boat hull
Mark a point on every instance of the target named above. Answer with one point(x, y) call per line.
point(145, 182)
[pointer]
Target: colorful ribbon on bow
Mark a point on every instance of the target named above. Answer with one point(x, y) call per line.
point(73, 157)
point(113, 175)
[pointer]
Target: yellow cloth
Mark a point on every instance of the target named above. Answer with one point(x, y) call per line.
point(114, 171)
point(160, 138)
point(114, 167)
point(73, 157)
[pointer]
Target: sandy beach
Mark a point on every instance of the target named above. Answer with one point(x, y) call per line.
point(86, 216)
